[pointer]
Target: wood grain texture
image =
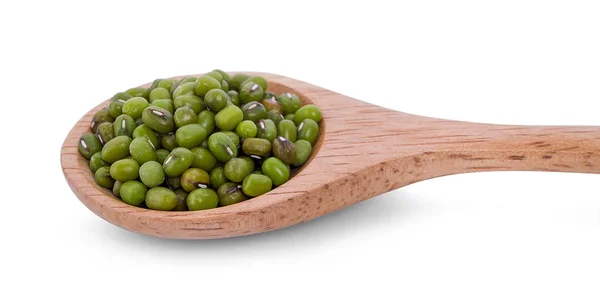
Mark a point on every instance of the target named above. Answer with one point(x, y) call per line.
point(364, 150)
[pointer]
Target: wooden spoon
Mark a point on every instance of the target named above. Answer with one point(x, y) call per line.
point(363, 151)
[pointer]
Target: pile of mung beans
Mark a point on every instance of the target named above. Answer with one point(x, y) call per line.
point(199, 142)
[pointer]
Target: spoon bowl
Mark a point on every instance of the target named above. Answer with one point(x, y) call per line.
point(363, 150)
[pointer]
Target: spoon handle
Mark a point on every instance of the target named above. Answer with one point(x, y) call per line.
point(483, 147)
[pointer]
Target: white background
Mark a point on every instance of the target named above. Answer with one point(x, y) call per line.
point(512, 62)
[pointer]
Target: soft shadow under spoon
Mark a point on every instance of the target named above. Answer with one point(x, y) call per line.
point(363, 151)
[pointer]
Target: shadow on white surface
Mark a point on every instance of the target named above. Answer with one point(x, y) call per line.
point(361, 217)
